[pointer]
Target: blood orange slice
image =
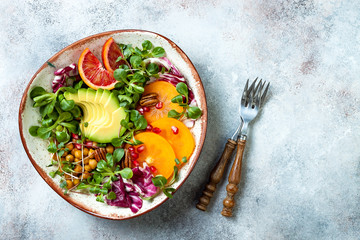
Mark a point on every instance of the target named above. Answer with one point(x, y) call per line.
point(110, 53)
point(93, 73)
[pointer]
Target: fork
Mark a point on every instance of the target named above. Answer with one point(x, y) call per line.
point(251, 102)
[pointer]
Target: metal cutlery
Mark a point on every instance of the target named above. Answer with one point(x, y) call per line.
point(251, 102)
point(218, 171)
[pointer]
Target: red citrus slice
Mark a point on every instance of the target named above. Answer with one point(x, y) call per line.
point(93, 73)
point(110, 54)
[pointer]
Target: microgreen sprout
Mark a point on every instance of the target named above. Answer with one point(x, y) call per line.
point(135, 123)
point(162, 183)
point(183, 100)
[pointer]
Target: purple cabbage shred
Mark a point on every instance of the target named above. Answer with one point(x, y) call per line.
point(61, 75)
point(142, 181)
point(129, 193)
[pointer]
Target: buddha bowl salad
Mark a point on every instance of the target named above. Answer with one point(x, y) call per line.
point(117, 129)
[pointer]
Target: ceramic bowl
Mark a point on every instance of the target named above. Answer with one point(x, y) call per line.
point(36, 147)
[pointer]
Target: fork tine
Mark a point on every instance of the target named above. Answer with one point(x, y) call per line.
point(257, 86)
point(246, 85)
point(244, 95)
point(265, 91)
point(259, 93)
point(261, 88)
point(252, 85)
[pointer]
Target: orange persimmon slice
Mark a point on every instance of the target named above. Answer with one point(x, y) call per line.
point(166, 91)
point(157, 152)
point(178, 135)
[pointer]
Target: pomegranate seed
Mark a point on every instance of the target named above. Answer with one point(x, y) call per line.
point(153, 169)
point(156, 130)
point(88, 144)
point(146, 109)
point(78, 146)
point(175, 130)
point(131, 149)
point(141, 111)
point(149, 127)
point(135, 163)
point(134, 155)
point(141, 148)
point(75, 136)
point(159, 105)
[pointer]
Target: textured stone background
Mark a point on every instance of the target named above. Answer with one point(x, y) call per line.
point(301, 176)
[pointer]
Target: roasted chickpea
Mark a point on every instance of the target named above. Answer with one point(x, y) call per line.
point(73, 151)
point(88, 168)
point(62, 159)
point(78, 154)
point(78, 169)
point(91, 153)
point(85, 175)
point(69, 158)
point(109, 149)
point(67, 177)
point(85, 151)
point(77, 160)
point(70, 146)
point(76, 181)
point(86, 161)
point(93, 163)
point(69, 184)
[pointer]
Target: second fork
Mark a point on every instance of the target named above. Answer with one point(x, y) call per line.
point(251, 102)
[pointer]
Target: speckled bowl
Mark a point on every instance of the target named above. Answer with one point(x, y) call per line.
point(36, 147)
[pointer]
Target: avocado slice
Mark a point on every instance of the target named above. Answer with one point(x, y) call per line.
point(87, 106)
point(102, 112)
point(86, 116)
point(106, 133)
point(98, 109)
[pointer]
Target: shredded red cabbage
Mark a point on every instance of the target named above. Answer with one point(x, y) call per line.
point(136, 201)
point(142, 181)
point(61, 75)
point(69, 70)
point(58, 82)
point(126, 196)
point(164, 62)
point(128, 193)
point(122, 198)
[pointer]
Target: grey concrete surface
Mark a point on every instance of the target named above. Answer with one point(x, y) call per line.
point(301, 173)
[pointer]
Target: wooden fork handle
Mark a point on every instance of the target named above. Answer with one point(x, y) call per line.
point(216, 175)
point(234, 179)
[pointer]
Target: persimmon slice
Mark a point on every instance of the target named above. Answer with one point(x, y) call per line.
point(110, 53)
point(166, 91)
point(181, 140)
point(93, 73)
point(157, 152)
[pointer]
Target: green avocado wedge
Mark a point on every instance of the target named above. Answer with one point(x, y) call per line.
point(102, 114)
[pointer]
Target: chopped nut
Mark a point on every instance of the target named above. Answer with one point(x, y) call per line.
point(126, 161)
point(149, 100)
point(100, 154)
